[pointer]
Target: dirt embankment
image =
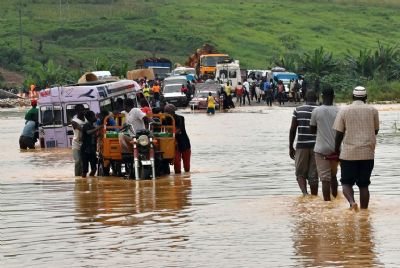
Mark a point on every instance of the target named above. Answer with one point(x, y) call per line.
point(12, 79)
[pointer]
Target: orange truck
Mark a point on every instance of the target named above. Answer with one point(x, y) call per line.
point(208, 63)
point(205, 60)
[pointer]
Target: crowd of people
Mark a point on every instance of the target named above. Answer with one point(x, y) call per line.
point(86, 126)
point(326, 136)
point(261, 90)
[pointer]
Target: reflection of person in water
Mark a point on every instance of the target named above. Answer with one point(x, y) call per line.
point(325, 239)
point(117, 202)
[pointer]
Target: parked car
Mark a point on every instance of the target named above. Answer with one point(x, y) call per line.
point(199, 101)
point(178, 79)
point(172, 94)
point(189, 72)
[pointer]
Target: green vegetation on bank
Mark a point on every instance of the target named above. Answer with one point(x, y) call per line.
point(62, 39)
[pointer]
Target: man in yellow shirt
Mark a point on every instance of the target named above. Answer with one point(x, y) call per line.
point(210, 104)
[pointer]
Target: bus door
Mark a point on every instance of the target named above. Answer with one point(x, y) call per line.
point(52, 132)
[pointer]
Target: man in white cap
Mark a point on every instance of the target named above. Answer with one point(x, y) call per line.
point(357, 126)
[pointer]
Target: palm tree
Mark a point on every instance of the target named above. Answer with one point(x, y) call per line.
point(47, 74)
point(363, 65)
point(319, 63)
point(386, 60)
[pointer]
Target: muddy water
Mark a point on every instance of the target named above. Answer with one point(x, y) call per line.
point(239, 207)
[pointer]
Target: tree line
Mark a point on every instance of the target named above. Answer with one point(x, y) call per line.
point(377, 68)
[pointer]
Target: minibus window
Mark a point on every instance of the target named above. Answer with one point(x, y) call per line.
point(133, 96)
point(46, 115)
point(57, 114)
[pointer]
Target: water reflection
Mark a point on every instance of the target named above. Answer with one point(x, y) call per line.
point(327, 235)
point(113, 201)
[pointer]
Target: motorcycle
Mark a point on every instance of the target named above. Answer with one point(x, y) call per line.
point(146, 162)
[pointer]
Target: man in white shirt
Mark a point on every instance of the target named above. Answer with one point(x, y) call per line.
point(77, 122)
point(137, 119)
point(321, 123)
point(246, 86)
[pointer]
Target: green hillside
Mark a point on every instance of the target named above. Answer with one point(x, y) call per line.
point(74, 33)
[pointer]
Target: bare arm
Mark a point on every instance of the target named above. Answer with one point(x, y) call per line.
point(313, 129)
point(338, 140)
point(292, 135)
point(93, 130)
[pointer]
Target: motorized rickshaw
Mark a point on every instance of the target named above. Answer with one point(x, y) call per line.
point(151, 151)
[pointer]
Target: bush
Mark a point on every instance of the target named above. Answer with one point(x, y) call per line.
point(10, 58)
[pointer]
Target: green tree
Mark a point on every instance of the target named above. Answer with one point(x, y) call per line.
point(46, 75)
point(387, 60)
point(319, 63)
point(363, 65)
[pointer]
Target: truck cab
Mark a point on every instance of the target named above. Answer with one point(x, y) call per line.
point(208, 63)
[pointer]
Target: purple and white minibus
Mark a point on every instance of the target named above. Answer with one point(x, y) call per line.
point(57, 107)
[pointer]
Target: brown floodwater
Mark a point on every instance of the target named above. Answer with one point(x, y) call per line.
point(239, 207)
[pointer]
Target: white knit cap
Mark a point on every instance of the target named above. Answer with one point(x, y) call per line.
point(360, 91)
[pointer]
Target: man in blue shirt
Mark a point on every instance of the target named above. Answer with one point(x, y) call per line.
point(28, 136)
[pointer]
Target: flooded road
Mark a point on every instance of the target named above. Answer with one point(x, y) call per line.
point(239, 207)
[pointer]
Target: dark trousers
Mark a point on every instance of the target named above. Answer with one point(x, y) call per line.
point(87, 158)
point(246, 94)
point(179, 156)
point(268, 100)
point(281, 98)
point(26, 142)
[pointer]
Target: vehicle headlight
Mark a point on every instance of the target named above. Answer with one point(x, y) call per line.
point(143, 140)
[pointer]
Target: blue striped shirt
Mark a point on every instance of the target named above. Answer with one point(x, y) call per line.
point(303, 116)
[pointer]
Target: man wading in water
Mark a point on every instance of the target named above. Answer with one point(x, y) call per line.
point(322, 119)
point(304, 154)
point(77, 123)
point(357, 126)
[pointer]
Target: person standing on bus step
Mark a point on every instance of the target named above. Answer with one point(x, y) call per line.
point(304, 157)
point(77, 123)
point(89, 144)
point(321, 123)
point(356, 126)
point(183, 148)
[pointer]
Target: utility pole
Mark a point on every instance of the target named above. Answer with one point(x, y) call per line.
point(20, 25)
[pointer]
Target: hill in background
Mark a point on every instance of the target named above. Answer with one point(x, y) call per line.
point(77, 32)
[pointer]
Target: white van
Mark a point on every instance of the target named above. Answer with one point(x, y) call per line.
point(228, 72)
point(57, 107)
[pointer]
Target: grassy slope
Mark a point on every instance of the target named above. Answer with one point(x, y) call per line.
point(251, 31)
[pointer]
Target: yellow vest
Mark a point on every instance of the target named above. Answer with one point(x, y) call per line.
point(228, 90)
point(211, 102)
point(146, 92)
